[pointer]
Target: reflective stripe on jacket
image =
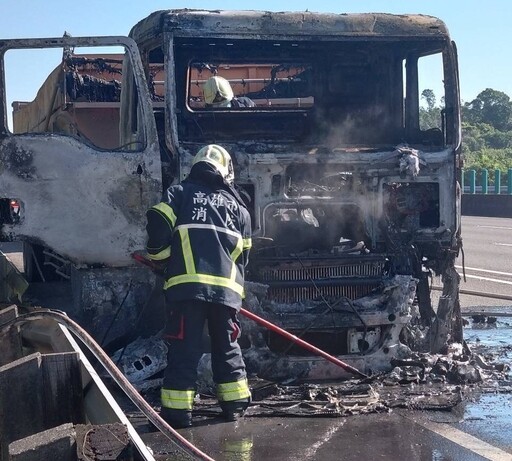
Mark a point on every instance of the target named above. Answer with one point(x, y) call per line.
point(203, 231)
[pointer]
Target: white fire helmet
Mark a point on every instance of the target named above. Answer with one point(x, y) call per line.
point(220, 159)
point(217, 90)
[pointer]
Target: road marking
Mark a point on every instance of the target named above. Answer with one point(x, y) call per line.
point(311, 451)
point(503, 244)
point(488, 279)
point(496, 227)
point(485, 270)
point(463, 439)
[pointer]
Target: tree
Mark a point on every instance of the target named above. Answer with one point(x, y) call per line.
point(480, 135)
point(486, 128)
point(487, 132)
point(430, 117)
point(429, 96)
point(492, 159)
point(492, 107)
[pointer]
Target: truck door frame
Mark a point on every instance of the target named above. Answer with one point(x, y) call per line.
point(95, 207)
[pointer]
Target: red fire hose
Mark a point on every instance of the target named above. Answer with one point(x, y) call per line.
point(302, 343)
point(265, 323)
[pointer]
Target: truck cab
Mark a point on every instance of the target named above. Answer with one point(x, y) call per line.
point(355, 202)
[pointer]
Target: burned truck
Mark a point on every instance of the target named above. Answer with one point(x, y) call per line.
point(355, 200)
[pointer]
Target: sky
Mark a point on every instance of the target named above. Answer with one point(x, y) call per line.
point(480, 29)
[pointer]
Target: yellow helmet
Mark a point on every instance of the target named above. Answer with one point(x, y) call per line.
point(219, 158)
point(216, 90)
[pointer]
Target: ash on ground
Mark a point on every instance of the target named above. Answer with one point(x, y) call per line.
point(422, 381)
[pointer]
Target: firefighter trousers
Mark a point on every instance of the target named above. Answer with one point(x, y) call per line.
point(184, 333)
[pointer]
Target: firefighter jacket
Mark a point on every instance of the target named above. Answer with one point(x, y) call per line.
point(201, 232)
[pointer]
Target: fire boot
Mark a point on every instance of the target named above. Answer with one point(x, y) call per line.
point(177, 419)
point(232, 410)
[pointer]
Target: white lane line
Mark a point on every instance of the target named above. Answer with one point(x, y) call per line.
point(311, 451)
point(496, 227)
point(488, 279)
point(464, 440)
point(503, 244)
point(485, 270)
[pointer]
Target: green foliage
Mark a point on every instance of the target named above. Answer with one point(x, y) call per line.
point(492, 159)
point(486, 128)
point(487, 132)
point(491, 107)
point(430, 98)
point(430, 116)
point(481, 135)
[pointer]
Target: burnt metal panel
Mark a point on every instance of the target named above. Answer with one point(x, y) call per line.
point(277, 24)
point(314, 278)
point(86, 204)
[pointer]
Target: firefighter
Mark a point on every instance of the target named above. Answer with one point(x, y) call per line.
point(218, 93)
point(200, 234)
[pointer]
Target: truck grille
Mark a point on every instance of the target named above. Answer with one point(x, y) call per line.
point(312, 278)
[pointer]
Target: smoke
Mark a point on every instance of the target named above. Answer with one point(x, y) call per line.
point(362, 127)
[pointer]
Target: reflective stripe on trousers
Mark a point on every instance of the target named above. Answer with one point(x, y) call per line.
point(177, 400)
point(236, 390)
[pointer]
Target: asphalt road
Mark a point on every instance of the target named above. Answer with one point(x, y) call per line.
point(402, 435)
point(487, 259)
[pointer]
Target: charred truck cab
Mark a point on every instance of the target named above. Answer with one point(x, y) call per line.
point(354, 198)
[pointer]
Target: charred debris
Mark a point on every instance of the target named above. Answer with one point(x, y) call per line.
point(283, 386)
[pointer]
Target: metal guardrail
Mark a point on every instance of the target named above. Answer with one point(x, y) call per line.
point(470, 186)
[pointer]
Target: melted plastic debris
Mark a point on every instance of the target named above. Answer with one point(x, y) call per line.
point(142, 359)
point(343, 399)
point(419, 381)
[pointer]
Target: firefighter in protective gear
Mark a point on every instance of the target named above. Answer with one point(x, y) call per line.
point(201, 234)
point(218, 93)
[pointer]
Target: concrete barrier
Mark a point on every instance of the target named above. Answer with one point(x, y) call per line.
point(10, 343)
point(39, 392)
point(57, 443)
point(492, 206)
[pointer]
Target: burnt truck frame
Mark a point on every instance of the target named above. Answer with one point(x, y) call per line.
point(355, 207)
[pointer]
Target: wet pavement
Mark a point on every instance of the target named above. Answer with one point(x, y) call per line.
point(384, 437)
point(405, 435)
point(479, 428)
point(489, 415)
